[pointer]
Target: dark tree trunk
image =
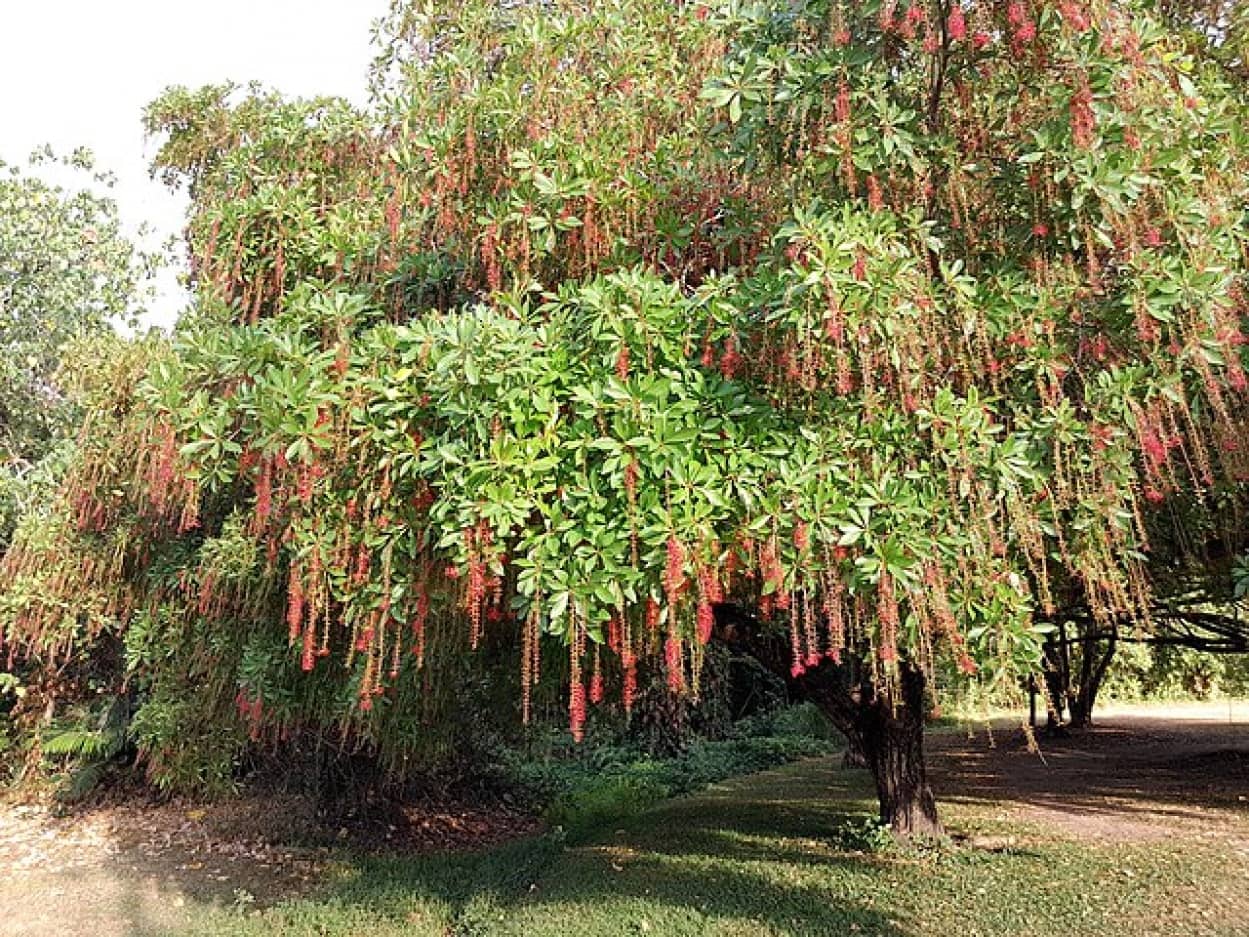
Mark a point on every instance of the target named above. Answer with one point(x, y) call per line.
point(891, 732)
point(1081, 718)
point(1093, 665)
point(853, 756)
point(1056, 664)
point(885, 725)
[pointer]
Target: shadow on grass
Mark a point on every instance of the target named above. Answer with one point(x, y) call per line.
point(756, 854)
point(747, 856)
point(677, 881)
point(759, 854)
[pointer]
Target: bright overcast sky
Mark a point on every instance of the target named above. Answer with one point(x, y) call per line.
point(79, 72)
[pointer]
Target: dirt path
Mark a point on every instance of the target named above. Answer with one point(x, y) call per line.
point(130, 871)
point(1144, 773)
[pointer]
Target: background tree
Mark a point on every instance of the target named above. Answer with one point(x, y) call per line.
point(858, 336)
point(66, 272)
point(1200, 580)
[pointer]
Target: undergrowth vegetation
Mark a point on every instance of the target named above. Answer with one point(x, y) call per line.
point(768, 856)
point(602, 785)
point(1175, 673)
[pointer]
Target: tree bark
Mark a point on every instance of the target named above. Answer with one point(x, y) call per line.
point(885, 724)
point(891, 732)
point(1056, 681)
point(853, 756)
point(1093, 666)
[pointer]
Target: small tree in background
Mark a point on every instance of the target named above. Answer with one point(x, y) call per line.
point(66, 272)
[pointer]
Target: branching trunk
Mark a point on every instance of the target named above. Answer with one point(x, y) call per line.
point(1075, 688)
point(1093, 665)
point(887, 727)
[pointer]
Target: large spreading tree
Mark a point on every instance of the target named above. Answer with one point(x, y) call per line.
point(862, 336)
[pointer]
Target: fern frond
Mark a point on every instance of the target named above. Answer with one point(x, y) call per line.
point(80, 743)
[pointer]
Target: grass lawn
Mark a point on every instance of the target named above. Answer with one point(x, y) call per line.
point(769, 854)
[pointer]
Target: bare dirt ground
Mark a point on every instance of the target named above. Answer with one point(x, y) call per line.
point(1143, 773)
point(131, 871)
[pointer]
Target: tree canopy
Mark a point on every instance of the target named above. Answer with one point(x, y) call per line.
point(66, 271)
point(902, 326)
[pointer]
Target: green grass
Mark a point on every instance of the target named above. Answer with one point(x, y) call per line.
point(581, 797)
point(758, 856)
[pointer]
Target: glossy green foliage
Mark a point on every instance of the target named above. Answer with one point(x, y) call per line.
point(893, 323)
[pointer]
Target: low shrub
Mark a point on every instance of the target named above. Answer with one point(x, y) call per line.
point(1174, 674)
point(863, 834)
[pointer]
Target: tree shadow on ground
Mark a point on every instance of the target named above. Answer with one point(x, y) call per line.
point(750, 855)
point(762, 853)
point(698, 862)
point(1119, 779)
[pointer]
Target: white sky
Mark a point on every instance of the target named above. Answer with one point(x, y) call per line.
point(79, 72)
